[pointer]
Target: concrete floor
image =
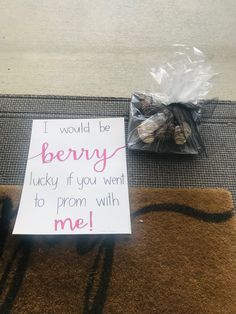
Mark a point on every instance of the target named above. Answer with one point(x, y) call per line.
point(106, 48)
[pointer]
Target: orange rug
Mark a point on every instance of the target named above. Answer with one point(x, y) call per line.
point(179, 259)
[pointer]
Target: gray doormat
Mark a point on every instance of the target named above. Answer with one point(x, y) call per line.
point(217, 169)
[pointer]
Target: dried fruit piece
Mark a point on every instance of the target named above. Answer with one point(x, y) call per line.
point(186, 129)
point(179, 136)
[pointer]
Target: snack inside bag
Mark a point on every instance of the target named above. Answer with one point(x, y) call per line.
point(167, 121)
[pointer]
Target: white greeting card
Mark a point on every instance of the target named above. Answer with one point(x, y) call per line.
point(76, 179)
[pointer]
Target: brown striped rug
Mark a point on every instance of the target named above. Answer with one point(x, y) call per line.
point(180, 258)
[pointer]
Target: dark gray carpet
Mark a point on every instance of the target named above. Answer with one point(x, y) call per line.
point(217, 169)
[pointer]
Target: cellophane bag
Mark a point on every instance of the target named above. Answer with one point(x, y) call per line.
point(167, 120)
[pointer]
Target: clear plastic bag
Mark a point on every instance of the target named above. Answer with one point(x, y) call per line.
point(167, 121)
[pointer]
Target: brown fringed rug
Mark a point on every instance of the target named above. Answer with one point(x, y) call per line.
point(181, 258)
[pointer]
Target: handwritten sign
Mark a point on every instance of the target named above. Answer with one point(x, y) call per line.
point(76, 179)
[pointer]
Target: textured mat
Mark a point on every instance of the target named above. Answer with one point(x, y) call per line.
point(215, 170)
point(180, 259)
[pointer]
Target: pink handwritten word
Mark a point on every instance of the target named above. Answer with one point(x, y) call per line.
point(61, 156)
point(61, 224)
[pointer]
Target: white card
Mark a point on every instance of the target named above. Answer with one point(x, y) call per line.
point(76, 179)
